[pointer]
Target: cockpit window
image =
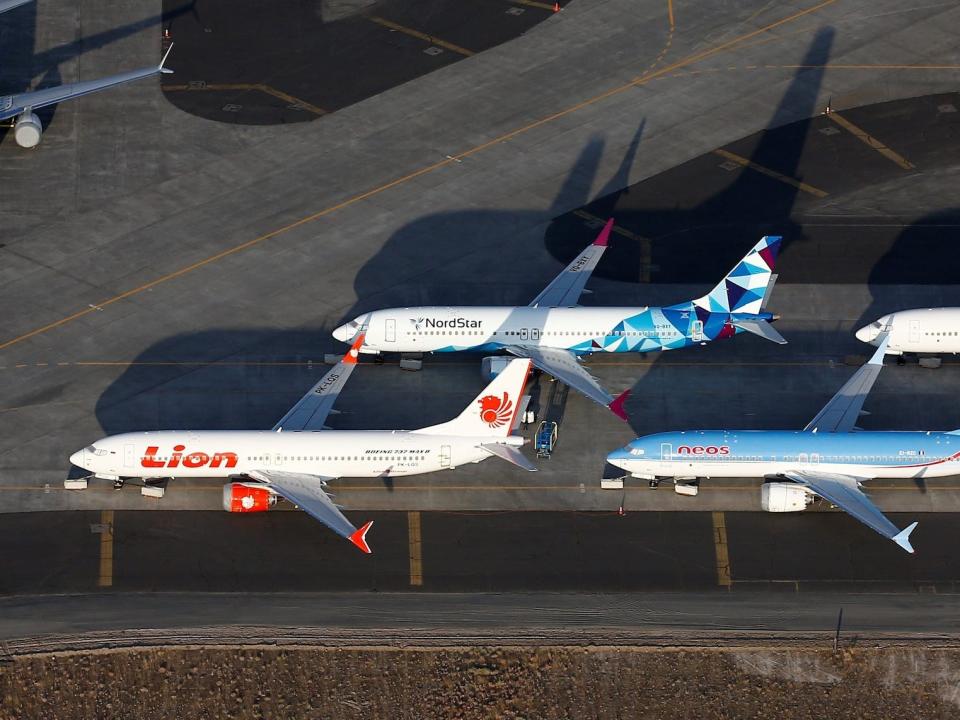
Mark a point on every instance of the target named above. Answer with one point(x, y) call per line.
point(876, 324)
point(94, 450)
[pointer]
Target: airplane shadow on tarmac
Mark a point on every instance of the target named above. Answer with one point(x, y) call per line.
point(18, 32)
point(685, 230)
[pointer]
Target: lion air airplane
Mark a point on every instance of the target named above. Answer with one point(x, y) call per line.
point(930, 330)
point(554, 333)
point(298, 457)
point(830, 457)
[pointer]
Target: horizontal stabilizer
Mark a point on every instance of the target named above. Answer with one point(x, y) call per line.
point(511, 455)
point(762, 328)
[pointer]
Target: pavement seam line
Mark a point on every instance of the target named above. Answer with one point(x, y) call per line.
point(450, 159)
point(870, 141)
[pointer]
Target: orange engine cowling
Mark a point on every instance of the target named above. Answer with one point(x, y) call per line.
point(244, 498)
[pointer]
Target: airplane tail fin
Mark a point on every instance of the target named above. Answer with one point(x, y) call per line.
point(493, 412)
point(744, 289)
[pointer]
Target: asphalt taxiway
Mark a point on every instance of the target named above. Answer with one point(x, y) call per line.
point(164, 270)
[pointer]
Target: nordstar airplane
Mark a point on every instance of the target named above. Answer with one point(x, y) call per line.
point(298, 457)
point(554, 332)
point(928, 330)
point(830, 457)
point(27, 128)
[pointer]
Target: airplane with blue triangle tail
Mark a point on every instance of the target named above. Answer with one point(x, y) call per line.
point(555, 333)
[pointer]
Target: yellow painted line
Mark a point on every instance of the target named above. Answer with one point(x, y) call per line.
point(723, 554)
point(744, 162)
point(267, 89)
point(416, 553)
point(636, 82)
point(533, 3)
point(106, 549)
point(870, 141)
point(433, 40)
point(670, 14)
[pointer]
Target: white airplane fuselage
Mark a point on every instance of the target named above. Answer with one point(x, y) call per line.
point(769, 453)
point(928, 330)
point(580, 330)
point(329, 453)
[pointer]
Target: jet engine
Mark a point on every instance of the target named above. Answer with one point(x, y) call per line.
point(784, 497)
point(247, 497)
point(27, 130)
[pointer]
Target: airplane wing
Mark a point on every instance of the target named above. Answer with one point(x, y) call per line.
point(841, 413)
point(566, 288)
point(11, 4)
point(844, 492)
point(13, 105)
point(511, 455)
point(307, 493)
point(565, 367)
point(312, 410)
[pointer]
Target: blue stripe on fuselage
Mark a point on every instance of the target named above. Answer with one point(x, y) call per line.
point(869, 448)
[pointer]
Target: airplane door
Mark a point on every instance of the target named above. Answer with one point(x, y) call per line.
point(523, 333)
point(534, 333)
point(666, 455)
point(914, 331)
point(129, 455)
point(803, 458)
point(390, 330)
point(814, 458)
point(444, 456)
point(697, 331)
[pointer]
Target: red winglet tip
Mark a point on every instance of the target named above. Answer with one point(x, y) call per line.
point(603, 239)
point(359, 538)
point(353, 354)
point(616, 407)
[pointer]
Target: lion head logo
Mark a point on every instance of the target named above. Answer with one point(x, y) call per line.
point(495, 411)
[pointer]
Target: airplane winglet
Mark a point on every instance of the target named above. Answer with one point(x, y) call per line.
point(603, 238)
point(161, 68)
point(359, 538)
point(353, 354)
point(616, 407)
point(902, 538)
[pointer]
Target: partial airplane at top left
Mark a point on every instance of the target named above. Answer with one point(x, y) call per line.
point(27, 128)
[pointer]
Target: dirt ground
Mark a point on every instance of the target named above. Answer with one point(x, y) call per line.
point(548, 682)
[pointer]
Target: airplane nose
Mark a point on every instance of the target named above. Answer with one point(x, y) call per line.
point(77, 459)
point(345, 332)
point(866, 334)
point(618, 458)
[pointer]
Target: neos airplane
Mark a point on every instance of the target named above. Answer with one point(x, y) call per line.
point(554, 333)
point(929, 330)
point(297, 458)
point(27, 128)
point(830, 457)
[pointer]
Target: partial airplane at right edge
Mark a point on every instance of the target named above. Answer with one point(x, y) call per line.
point(554, 333)
point(830, 457)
